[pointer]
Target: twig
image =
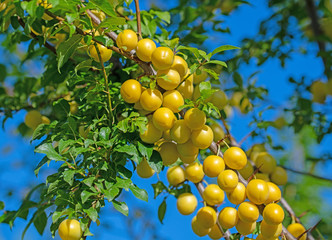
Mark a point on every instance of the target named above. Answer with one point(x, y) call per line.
point(106, 83)
point(46, 44)
point(246, 137)
point(311, 9)
point(138, 17)
point(307, 174)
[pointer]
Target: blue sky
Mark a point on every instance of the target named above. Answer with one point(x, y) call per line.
point(16, 175)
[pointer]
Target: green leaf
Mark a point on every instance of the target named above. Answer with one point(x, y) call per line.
point(84, 66)
point(66, 49)
point(104, 6)
point(145, 149)
point(130, 150)
point(238, 79)
point(205, 89)
point(121, 207)
point(85, 195)
point(162, 211)
point(139, 193)
point(2, 205)
point(105, 133)
point(40, 164)
point(111, 193)
point(112, 23)
point(48, 149)
point(3, 71)
point(155, 161)
point(222, 48)
point(158, 188)
point(40, 222)
point(92, 213)
point(57, 214)
point(166, 16)
point(68, 176)
point(216, 62)
point(123, 183)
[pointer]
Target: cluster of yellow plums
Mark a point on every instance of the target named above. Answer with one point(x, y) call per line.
point(261, 195)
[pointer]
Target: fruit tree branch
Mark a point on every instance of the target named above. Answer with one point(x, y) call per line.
point(307, 174)
point(311, 9)
point(138, 17)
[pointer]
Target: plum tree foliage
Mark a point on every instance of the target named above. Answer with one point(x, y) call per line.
point(127, 91)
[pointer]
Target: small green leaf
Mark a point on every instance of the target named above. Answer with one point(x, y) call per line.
point(92, 213)
point(3, 71)
point(104, 6)
point(48, 149)
point(68, 176)
point(111, 193)
point(2, 205)
point(112, 23)
point(223, 48)
point(216, 62)
point(66, 49)
point(85, 195)
point(162, 211)
point(139, 193)
point(158, 188)
point(155, 161)
point(40, 222)
point(145, 149)
point(121, 207)
point(85, 65)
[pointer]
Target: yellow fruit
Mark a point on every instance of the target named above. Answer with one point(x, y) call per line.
point(151, 99)
point(162, 58)
point(198, 78)
point(238, 195)
point(70, 229)
point(194, 172)
point(262, 176)
point(186, 203)
point(296, 229)
point(213, 165)
point(329, 87)
point(280, 122)
point(202, 138)
point(84, 132)
point(151, 134)
point(144, 49)
point(256, 148)
point(245, 106)
point(270, 231)
point(197, 93)
point(32, 119)
point(175, 175)
point(73, 107)
point(228, 180)
point(247, 171)
point(274, 193)
point(228, 217)
point(198, 229)
point(105, 53)
point(219, 99)
point(257, 191)
point(168, 79)
point(279, 176)
point(180, 133)
point(318, 90)
point(195, 118)
point(169, 153)
point(127, 40)
point(245, 228)
point(235, 158)
point(265, 162)
point(248, 212)
point(173, 100)
point(186, 89)
point(213, 195)
point(273, 214)
point(215, 232)
point(180, 65)
point(188, 159)
point(218, 132)
point(144, 170)
point(187, 149)
point(163, 118)
point(131, 91)
point(167, 135)
point(45, 120)
point(206, 217)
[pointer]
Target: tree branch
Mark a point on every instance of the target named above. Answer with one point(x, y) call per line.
point(138, 17)
point(311, 9)
point(307, 174)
